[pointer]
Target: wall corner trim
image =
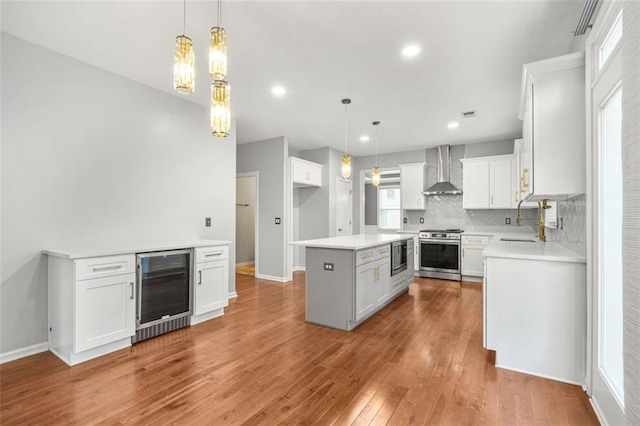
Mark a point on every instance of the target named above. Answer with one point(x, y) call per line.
point(24, 352)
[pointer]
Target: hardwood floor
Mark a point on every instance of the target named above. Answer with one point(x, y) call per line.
point(246, 269)
point(419, 361)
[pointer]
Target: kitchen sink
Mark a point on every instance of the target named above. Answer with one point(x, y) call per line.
point(519, 240)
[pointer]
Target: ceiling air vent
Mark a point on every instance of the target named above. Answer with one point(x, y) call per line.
point(585, 18)
point(469, 114)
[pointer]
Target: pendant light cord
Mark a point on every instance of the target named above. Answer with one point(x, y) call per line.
point(219, 13)
point(346, 128)
point(184, 17)
point(376, 165)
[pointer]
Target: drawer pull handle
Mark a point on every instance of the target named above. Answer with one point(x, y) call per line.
point(131, 284)
point(106, 268)
point(199, 277)
point(218, 253)
point(366, 256)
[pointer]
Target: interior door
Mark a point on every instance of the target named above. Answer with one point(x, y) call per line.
point(607, 373)
point(343, 207)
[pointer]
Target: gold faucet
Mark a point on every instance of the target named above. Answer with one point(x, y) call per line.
point(542, 205)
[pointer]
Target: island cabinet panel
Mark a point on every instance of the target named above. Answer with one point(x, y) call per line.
point(347, 286)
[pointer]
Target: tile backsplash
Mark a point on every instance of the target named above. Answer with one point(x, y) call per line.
point(572, 214)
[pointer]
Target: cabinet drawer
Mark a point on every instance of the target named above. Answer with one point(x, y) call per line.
point(365, 256)
point(471, 240)
point(209, 254)
point(383, 251)
point(98, 267)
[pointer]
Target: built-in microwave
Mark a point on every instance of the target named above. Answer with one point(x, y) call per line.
point(398, 257)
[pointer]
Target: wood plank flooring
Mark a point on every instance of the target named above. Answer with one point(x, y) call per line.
point(246, 269)
point(419, 361)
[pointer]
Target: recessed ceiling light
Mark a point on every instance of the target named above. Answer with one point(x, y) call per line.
point(411, 50)
point(278, 91)
point(453, 125)
point(364, 138)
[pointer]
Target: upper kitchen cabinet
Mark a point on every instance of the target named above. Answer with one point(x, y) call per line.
point(305, 173)
point(487, 182)
point(413, 178)
point(552, 154)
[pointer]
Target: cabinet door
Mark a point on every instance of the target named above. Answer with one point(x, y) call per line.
point(210, 289)
point(365, 277)
point(500, 183)
point(472, 261)
point(475, 183)
point(382, 283)
point(105, 311)
point(412, 179)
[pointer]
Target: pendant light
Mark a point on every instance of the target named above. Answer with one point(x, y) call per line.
point(220, 89)
point(375, 175)
point(184, 60)
point(346, 159)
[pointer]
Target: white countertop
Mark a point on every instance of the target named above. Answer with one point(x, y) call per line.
point(352, 242)
point(554, 252)
point(82, 252)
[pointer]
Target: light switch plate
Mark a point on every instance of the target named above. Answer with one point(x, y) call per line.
point(404, 220)
point(277, 221)
point(207, 221)
point(328, 266)
point(507, 221)
point(422, 220)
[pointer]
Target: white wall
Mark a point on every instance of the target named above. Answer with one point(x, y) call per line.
point(268, 159)
point(91, 158)
point(245, 219)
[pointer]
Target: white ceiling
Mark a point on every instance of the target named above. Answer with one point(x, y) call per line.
point(321, 51)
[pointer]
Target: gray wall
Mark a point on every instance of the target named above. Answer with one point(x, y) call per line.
point(267, 158)
point(370, 205)
point(245, 219)
point(486, 149)
point(92, 158)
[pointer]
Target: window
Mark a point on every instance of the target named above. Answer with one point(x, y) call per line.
point(389, 213)
point(610, 42)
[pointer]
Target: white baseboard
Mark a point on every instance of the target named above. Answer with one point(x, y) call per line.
point(597, 410)
point(232, 295)
point(246, 263)
point(299, 268)
point(471, 279)
point(24, 352)
point(272, 278)
point(531, 373)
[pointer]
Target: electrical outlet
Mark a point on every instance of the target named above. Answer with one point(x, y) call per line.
point(277, 221)
point(507, 221)
point(422, 220)
point(207, 221)
point(328, 267)
point(404, 220)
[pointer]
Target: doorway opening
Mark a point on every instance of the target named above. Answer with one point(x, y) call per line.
point(247, 223)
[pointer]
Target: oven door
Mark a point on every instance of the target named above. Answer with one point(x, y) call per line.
point(440, 256)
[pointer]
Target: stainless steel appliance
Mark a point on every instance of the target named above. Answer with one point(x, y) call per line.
point(164, 292)
point(398, 257)
point(440, 254)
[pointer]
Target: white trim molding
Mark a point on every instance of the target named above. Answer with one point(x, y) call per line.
point(24, 352)
point(299, 268)
point(251, 262)
point(272, 278)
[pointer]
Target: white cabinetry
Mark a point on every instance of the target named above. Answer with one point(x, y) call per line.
point(373, 281)
point(412, 184)
point(305, 173)
point(212, 281)
point(552, 159)
point(92, 306)
point(416, 254)
point(472, 259)
point(487, 182)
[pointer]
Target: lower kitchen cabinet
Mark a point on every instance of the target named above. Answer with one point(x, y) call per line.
point(211, 280)
point(105, 311)
point(373, 286)
point(92, 306)
point(472, 259)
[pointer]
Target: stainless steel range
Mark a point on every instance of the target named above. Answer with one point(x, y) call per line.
point(440, 254)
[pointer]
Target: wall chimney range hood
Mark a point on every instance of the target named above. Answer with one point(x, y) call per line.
point(443, 187)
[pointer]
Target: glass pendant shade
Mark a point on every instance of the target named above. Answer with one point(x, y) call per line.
point(220, 109)
point(218, 54)
point(346, 166)
point(184, 66)
point(375, 176)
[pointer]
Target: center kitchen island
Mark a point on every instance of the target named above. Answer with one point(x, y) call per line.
point(350, 278)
